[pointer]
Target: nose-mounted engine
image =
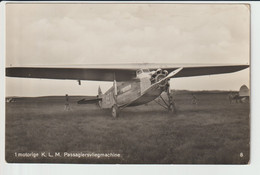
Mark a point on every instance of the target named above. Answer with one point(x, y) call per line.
point(158, 75)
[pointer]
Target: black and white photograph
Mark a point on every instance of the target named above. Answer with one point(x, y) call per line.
point(127, 83)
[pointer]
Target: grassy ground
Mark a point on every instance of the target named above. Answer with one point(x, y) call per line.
point(211, 132)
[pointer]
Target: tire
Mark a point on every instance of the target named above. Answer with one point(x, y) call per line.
point(114, 111)
point(172, 109)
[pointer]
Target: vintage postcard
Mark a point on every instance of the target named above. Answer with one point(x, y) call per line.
point(127, 83)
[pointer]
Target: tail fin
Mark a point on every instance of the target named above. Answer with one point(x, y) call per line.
point(99, 91)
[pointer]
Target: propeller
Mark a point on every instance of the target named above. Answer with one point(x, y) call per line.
point(163, 76)
point(170, 75)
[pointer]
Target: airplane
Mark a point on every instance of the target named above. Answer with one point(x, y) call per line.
point(133, 84)
point(241, 96)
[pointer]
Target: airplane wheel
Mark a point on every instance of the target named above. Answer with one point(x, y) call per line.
point(172, 109)
point(114, 111)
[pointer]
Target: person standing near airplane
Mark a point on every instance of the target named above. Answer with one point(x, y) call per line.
point(67, 105)
point(194, 100)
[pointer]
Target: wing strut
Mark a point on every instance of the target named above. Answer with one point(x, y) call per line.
point(115, 109)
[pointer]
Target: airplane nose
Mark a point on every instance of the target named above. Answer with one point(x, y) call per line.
point(158, 75)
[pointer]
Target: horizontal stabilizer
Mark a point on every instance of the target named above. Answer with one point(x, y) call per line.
point(89, 101)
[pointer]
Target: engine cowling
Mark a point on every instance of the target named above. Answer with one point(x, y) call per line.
point(158, 75)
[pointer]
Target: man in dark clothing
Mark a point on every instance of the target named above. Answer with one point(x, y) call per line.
point(67, 105)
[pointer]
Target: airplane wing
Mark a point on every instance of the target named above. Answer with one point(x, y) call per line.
point(97, 74)
point(207, 70)
point(115, 72)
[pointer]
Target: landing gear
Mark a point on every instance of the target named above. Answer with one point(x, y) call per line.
point(168, 105)
point(115, 111)
point(171, 106)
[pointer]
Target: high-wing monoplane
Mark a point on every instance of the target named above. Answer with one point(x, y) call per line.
point(133, 84)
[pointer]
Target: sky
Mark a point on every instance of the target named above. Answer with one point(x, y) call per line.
point(80, 34)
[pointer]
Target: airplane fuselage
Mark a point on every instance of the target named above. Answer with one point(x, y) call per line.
point(134, 91)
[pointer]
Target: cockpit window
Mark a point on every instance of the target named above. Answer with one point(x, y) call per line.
point(139, 71)
point(146, 70)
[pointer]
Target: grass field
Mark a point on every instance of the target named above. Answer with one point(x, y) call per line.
point(211, 132)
